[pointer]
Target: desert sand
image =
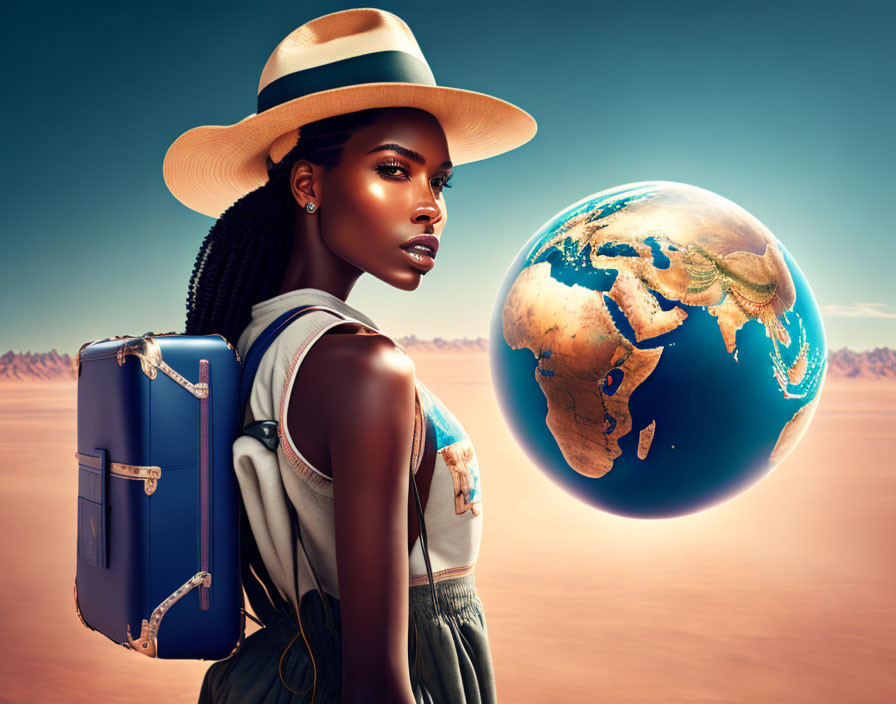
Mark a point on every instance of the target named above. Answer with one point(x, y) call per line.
point(782, 595)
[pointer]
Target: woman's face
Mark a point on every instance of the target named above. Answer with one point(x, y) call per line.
point(386, 190)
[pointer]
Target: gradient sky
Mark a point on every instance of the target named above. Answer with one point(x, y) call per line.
point(786, 108)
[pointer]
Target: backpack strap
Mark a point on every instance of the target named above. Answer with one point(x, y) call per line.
point(263, 595)
point(260, 346)
point(267, 432)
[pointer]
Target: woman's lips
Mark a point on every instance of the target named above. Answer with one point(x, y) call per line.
point(421, 261)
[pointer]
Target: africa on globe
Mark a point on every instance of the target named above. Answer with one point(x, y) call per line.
point(656, 350)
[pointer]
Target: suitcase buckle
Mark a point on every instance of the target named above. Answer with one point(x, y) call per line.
point(148, 351)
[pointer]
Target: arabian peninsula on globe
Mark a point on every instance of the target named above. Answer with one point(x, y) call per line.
point(656, 350)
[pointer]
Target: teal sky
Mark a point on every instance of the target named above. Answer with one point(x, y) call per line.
point(786, 108)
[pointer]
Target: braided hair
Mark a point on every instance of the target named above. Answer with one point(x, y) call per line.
point(244, 256)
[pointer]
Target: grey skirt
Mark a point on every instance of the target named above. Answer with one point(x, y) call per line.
point(448, 653)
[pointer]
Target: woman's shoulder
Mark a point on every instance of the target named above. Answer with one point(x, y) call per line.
point(349, 372)
point(363, 361)
point(361, 347)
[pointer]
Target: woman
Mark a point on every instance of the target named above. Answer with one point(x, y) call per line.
point(384, 614)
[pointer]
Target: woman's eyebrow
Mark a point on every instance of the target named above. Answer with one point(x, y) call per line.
point(409, 153)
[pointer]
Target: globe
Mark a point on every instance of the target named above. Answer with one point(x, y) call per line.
point(655, 350)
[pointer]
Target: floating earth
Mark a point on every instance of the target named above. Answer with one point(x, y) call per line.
point(656, 350)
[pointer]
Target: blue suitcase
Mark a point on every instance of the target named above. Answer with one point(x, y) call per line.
point(158, 566)
point(161, 529)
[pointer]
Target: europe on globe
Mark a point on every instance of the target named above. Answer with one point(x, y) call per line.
point(656, 350)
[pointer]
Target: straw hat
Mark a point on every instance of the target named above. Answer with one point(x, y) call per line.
point(335, 64)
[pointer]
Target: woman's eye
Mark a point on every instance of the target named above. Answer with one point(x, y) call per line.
point(391, 170)
point(396, 171)
point(441, 182)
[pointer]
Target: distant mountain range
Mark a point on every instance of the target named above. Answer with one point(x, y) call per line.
point(49, 366)
point(28, 366)
point(878, 363)
point(412, 344)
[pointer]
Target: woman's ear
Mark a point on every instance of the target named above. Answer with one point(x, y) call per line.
point(303, 182)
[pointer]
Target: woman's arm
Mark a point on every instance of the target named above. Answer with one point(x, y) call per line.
point(368, 417)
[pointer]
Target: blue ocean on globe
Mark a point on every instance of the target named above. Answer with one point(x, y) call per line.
point(656, 350)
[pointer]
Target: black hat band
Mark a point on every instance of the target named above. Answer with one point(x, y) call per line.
point(377, 67)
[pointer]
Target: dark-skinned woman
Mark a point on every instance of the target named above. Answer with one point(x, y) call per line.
point(343, 170)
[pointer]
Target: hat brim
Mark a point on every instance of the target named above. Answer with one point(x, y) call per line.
point(209, 168)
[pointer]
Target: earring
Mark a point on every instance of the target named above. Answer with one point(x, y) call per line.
point(310, 207)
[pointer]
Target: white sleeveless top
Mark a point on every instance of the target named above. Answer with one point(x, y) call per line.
point(453, 512)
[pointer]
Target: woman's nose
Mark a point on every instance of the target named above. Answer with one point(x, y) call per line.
point(427, 209)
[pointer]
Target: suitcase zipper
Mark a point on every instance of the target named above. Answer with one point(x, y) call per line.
point(204, 468)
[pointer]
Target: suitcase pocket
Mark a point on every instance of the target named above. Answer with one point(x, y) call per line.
point(92, 527)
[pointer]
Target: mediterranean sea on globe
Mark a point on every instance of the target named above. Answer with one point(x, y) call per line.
point(656, 350)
